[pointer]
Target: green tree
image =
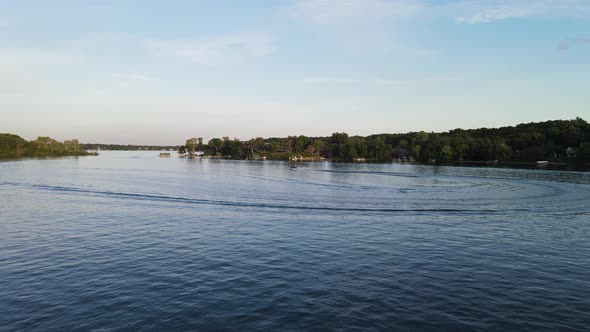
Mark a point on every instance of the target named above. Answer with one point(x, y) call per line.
point(337, 144)
point(349, 151)
point(257, 144)
point(301, 143)
point(585, 151)
point(461, 149)
point(446, 153)
point(13, 146)
point(232, 148)
point(44, 145)
point(416, 151)
point(72, 145)
point(191, 145)
point(501, 150)
point(200, 143)
point(215, 144)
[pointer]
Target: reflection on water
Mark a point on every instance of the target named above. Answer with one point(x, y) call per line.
point(127, 240)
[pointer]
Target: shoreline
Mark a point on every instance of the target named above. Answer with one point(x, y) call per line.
point(550, 166)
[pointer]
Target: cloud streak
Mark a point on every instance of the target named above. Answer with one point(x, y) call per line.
point(329, 12)
point(349, 80)
point(478, 12)
point(214, 51)
point(379, 81)
point(133, 77)
point(131, 80)
point(34, 58)
point(340, 12)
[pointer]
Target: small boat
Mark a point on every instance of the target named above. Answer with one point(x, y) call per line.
point(294, 167)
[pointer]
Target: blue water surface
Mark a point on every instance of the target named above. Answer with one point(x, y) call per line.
point(129, 241)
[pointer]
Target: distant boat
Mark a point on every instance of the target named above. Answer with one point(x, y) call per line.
point(294, 167)
point(164, 155)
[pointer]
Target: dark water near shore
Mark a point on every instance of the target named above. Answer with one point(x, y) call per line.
point(128, 241)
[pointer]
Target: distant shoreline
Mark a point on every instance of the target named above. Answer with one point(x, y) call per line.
point(14, 147)
point(550, 166)
point(551, 144)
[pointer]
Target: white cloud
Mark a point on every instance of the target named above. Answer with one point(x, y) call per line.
point(501, 13)
point(134, 77)
point(349, 11)
point(219, 50)
point(486, 12)
point(28, 69)
point(348, 80)
point(130, 79)
point(34, 58)
point(379, 81)
point(333, 12)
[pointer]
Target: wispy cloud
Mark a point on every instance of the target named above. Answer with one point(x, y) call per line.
point(29, 69)
point(378, 81)
point(570, 42)
point(501, 13)
point(131, 80)
point(477, 12)
point(349, 80)
point(219, 50)
point(350, 11)
point(332, 12)
point(133, 77)
point(31, 58)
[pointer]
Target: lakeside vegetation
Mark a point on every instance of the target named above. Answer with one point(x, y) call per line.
point(556, 141)
point(126, 147)
point(14, 146)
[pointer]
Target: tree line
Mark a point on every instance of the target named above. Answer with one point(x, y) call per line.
point(14, 146)
point(557, 140)
point(126, 147)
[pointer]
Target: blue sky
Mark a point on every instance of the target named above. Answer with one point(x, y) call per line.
point(158, 72)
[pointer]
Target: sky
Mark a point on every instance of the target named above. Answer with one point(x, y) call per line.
point(159, 72)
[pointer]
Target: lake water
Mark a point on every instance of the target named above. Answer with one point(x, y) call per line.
point(129, 241)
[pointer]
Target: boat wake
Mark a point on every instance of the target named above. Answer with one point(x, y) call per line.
point(243, 204)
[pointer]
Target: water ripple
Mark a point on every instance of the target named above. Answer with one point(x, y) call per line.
point(120, 243)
